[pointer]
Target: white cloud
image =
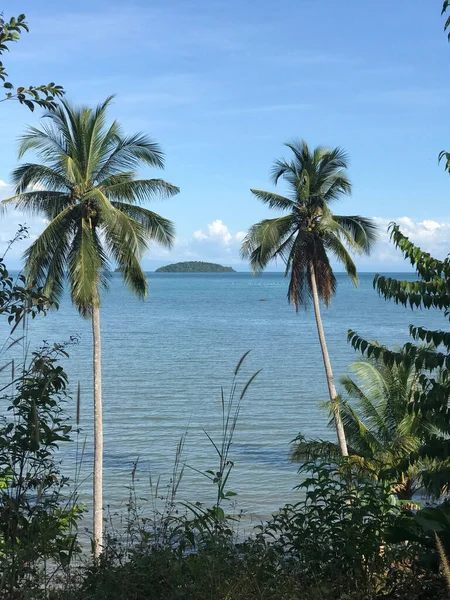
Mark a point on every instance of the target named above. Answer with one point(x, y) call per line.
point(431, 225)
point(199, 235)
point(428, 234)
point(213, 243)
point(218, 232)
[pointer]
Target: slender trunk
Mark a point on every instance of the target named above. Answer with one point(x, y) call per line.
point(326, 361)
point(98, 434)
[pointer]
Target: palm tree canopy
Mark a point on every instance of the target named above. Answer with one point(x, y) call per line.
point(86, 187)
point(304, 237)
point(381, 429)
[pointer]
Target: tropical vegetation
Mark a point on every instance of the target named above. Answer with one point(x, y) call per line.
point(308, 235)
point(357, 530)
point(86, 187)
point(381, 428)
point(430, 290)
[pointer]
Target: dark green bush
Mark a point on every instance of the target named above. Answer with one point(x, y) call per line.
point(329, 546)
point(37, 515)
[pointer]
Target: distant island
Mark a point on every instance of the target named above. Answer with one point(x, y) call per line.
point(195, 266)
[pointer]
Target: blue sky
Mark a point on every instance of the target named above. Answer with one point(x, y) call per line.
point(221, 86)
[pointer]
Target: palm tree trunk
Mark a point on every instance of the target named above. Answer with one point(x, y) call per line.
point(326, 361)
point(98, 434)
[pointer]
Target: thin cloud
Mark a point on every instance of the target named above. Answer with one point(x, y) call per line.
point(431, 236)
point(189, 30)
point(306, 57)
point(248, 110)
point(408, 96)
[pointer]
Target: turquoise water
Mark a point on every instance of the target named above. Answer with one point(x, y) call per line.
point(165, 360)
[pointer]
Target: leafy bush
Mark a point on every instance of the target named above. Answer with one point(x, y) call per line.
point(37, 519)
point(430, 291)
point(331, 545)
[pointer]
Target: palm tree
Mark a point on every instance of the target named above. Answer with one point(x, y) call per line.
point(87, 190)
point(379, 424)
point(304, 237)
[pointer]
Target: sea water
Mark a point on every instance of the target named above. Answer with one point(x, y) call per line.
point(165, 361)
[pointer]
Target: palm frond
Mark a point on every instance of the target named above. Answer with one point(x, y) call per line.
point(305, 450)
point(363, 231)
point(139, 190)
point(302, 153)
point(334, 244)
point(129, 153)
point(86, 263)
point(335, 186)
point(94, 135)
point(361, 437)
point(333, 161)
point(50, 204)
point(286, 170)
point(33, 175)
point(128, 263)
point(45, 258)
point(266, 240)
point(156, 228)
point(274, 200)
point(48, 142)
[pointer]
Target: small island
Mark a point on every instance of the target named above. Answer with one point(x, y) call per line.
point(195, 266)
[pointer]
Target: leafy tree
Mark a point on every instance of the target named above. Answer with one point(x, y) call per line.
point(17, 300)
point(86, 188)
point(430, 291)
point(42, 95)
point(379, 424)
point(305, 236)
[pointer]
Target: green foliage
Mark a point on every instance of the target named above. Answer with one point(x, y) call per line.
point(195, 266)
point(331, 545)
point(17, 299)
point(337, 529)
point(86, 188)
point(304, 238)
point(44, 96)
point(423, 528)
point(431, 290)
point(381, 429)
point(37, 520)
